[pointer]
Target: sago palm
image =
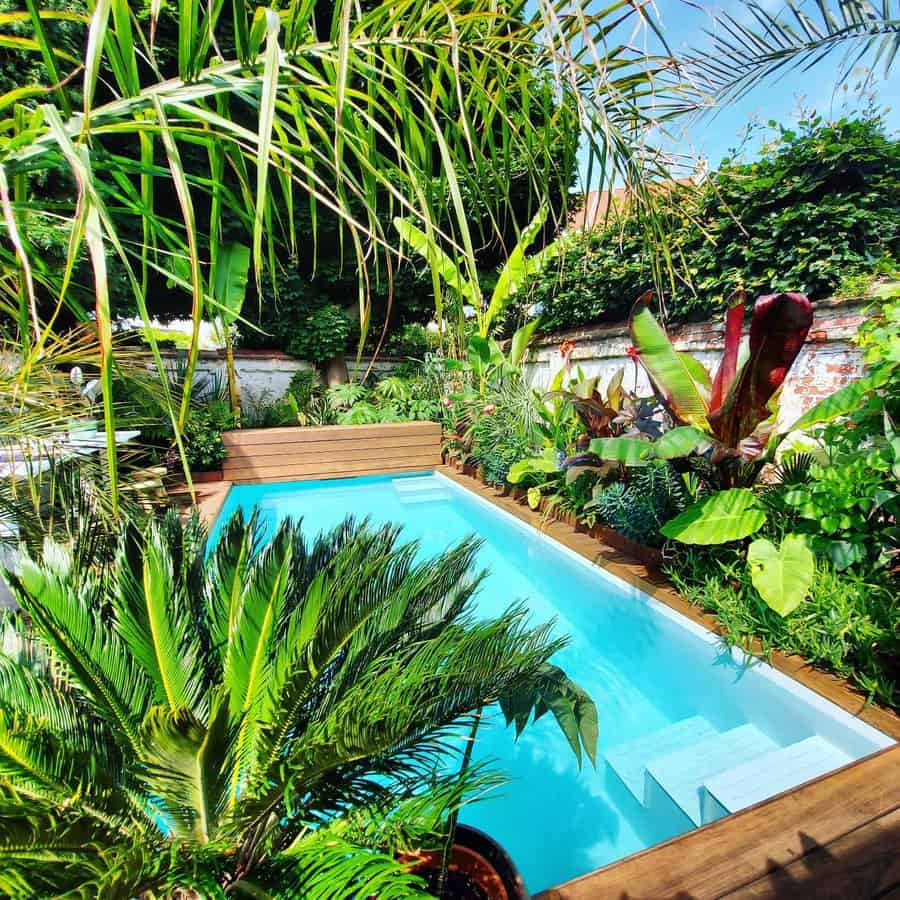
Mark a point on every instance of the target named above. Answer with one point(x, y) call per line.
point(273, 718)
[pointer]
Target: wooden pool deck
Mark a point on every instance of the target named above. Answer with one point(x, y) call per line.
point(834, 838)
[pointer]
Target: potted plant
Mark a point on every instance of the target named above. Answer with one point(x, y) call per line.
point(204, 448)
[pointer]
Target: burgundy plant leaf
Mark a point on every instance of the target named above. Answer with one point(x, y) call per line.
point(778, 329)
point(734, 324)
point(593, 412)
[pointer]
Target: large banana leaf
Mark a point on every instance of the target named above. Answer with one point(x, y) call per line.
point(778, 329)
point(520, 341)
point(448, 270)
point(516, 269)
point(625, 450)
point(229, 280)
point(734, 323)
point(669, 373)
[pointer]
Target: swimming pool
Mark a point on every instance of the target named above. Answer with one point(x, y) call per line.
point(688, 730)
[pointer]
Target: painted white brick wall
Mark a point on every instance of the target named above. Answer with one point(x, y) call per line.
point(262, 374)
point(828, 360)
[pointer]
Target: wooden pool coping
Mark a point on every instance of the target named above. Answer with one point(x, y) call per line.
point(837, 836)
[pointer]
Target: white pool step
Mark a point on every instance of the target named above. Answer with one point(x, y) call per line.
point(424, 497)
point(629, 760)
point(419, 483)
point(683, 773)
point(422, 489)
point(770, 774)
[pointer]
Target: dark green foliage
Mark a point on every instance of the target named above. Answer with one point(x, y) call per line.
point(320, 335)
point(638, 508)
point(411, 340)
point(263, 412)
point(819, 205)
point(203, 435)
point(305, 386)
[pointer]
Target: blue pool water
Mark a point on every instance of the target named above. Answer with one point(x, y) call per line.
point(688, 730)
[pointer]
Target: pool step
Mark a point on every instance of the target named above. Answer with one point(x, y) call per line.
point(681, 775)
point(770, 774)
point(423, 489)
point(418, 483)
point(629, 760)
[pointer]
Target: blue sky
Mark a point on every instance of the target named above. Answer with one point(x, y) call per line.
point(782, 100)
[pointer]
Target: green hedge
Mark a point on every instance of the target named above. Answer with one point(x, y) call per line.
point(819, 206)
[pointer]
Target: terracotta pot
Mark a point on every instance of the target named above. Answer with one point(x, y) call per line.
point(207, 477)
point(479, 869)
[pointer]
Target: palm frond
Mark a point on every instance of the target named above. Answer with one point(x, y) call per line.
point(324, 867)
point(761, 43)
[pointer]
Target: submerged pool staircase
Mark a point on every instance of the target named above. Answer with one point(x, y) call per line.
point(708, 773)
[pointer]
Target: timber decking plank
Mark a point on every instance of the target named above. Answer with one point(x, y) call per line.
point(421, 461)
point(283, 448)
point(861, 865)
point(731, 854)
point(306, 434)
point(334, 456)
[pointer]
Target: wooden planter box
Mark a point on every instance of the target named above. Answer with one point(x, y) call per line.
point(207, 477)
point(333, 451)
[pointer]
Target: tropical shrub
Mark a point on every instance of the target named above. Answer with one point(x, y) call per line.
point(847, 623)
point(816, 207)
point(320, 335)
point(204, 448)
point(639, 506)
point(242, 721)
point(262, 411)
point(411, 340)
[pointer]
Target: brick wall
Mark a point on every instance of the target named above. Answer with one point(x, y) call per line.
point(828, 360)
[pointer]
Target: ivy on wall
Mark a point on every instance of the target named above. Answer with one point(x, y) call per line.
point(820, 206)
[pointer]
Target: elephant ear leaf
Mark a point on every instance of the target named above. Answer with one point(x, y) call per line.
point(779, 328)
point(782, 575)
point(670, 374)
point(727, 516)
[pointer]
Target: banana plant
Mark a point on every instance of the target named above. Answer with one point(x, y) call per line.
point(230, 271)
point(461, 275)
point(731, 415)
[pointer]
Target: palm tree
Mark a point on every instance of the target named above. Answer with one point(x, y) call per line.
point(770, 41)
point(271, 719)
point(180, 130)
